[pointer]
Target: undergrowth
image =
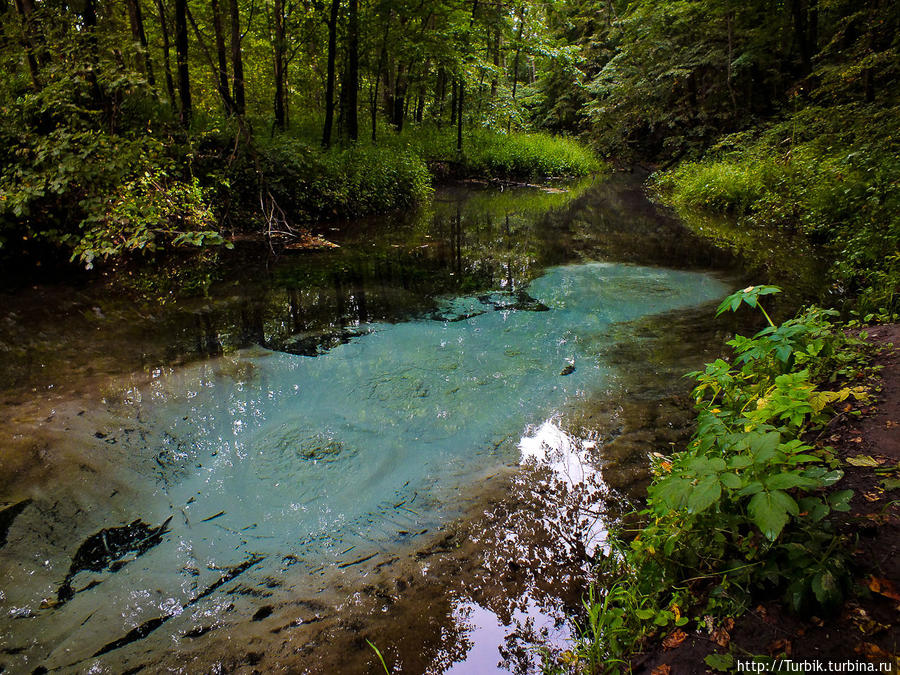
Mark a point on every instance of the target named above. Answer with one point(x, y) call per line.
point(745, 509)
point(833, 173)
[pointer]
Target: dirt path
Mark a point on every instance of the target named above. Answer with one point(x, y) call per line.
point(864, 632)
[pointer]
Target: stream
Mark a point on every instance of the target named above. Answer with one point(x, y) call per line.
point(416, 438)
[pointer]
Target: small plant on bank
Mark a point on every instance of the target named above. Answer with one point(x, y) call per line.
point(744, 508)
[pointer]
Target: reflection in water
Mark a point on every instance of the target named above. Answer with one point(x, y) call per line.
point(297, 490)
point(571, 462)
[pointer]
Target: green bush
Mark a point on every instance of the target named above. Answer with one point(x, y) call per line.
point(492, 154)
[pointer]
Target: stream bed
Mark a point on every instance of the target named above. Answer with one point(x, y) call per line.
point(416, 438)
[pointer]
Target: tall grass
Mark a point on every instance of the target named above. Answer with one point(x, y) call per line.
point(398, 171)
point(832, 174)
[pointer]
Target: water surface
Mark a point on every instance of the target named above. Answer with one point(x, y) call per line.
point(200, 479)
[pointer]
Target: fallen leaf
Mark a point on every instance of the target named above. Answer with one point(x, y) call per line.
point(872, 651)
point(779, 647)
point(872, 496)
point(664, 669)
point(674, 639)
point(883, 587)
point(862, 460)
point(721, 637)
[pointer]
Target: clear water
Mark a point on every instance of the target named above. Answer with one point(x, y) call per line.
point(261, 470)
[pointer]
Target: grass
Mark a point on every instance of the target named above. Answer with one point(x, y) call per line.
point(833, 174)
point(310, 183)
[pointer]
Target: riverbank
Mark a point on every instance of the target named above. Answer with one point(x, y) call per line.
point(103, 198)
point(864, 437)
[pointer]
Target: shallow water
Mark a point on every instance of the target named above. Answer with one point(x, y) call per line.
point(313, 426)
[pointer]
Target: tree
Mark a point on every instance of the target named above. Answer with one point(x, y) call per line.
point(181, 59)
point(329, 82)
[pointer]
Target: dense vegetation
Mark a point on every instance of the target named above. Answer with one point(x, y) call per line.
point(130, 126)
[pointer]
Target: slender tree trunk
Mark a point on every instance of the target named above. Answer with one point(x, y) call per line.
point(454, 99)
point(227, 102)
point(382, 57)
point(729, 18)
point(399, 94)
point(136, 19)
point(459, 117)
point(352, 83)
point(440, 94)
point(518, 50)
point(279, 48)
point(181, 59)
point(496, 50)
point(167, 68)
point(329, 82)
point(28, 44)
point(221, 56)
point(799, 10)
point(237, 61)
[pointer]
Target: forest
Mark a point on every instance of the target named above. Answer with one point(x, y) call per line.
point(212, 116)
point(143, 141)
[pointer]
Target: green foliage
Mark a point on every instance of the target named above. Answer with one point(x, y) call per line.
point(745, 506)
point(144, 214)
point(491, 154)
point(831, 172)
point(310, 184)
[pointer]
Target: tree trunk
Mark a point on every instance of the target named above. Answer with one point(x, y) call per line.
point(167, 68)
point(382, 57)
point(279, 48)
point(237, 61)
point(221, 56)
point(496, 49)
point(28, 44)
point(227, 102)
point(459, 117)
point(518, 50)
point(181, 59)
point(136, 19)
point(799, 11)
point(454, 98)
point(352, 83)
point(329, 82)
point(440, 94)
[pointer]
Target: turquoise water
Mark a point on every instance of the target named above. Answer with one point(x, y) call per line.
point(267, 460)
point(204, 463)
point(316, 454)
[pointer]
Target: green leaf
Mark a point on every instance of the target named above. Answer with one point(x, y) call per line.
point(673, 491)
point(739, 462)
point(644, 614)
point(731, 480)
point(786, 481)
point(825, 587)
point(769, 511)
point(705, 494)
point(723, 662)
point(840, 500)
point(751, 489)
